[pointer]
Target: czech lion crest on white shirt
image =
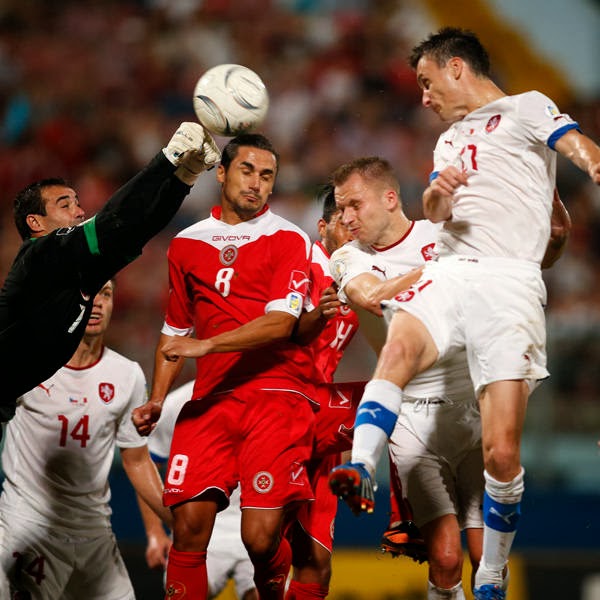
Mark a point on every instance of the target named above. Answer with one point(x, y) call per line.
point(106, 391)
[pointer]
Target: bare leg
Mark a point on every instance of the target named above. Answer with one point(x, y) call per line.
point(503, 407)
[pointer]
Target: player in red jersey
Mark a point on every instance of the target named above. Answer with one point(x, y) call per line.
point(238, 278)
point(325, 329)
point(338, 323)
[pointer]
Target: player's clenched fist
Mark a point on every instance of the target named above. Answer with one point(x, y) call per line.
point(178, 347)
point(145, 417)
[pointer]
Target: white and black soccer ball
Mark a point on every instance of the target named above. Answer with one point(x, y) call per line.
point(230, 99)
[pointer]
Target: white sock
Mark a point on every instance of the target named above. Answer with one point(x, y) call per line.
point(437, 593)
point(501, 514)
point(375, 420)
point(367, 444)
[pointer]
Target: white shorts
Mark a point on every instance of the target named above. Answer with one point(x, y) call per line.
point(228, 559)
point(50, 564)
point(436, 449)
point(493, 307)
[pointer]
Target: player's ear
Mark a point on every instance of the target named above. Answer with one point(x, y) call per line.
point(321, 225)
point(221, 174)
point(34, 223)
point(391, 199)
point(455, 66)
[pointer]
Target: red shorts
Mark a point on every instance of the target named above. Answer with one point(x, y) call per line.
point(261, 438)
point(317, 518)
point(334, 424)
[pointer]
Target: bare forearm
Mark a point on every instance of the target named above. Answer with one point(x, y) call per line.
point(165, 372)
point(265, 330)
point(582, 152)
point(158, 542)
point(436, 207)
point(438, 198)
point(153, 525)
point(366, 291)
point(145, 479)
point(309, 326)
point(268, 329)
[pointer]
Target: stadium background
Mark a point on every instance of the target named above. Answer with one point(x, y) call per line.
point(91, 90)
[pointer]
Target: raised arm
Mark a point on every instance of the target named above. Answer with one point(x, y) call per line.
point(146, 203)
point(582, 152)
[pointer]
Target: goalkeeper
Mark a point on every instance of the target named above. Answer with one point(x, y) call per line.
point(47, 298)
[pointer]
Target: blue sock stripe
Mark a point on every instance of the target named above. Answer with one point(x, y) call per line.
point(373, 413)
point(501, 517)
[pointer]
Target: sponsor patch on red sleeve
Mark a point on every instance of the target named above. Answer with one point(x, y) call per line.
point(299, 282)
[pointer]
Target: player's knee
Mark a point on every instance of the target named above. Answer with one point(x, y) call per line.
point(190, 536)
point(399, 351)
point(399, 346)
point(502, 460)
point(260, 544)
point(445, 565)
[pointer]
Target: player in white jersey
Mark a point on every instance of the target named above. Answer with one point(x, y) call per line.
point(492, 188)
point(56, 539)
point(436, 442)
point(227, 557)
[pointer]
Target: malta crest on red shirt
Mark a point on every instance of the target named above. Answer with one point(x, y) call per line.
point(106, 391)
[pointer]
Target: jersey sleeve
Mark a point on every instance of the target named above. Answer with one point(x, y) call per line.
point(138, 210)
point(179, 315)
point(345, 264)
point(320, 279)
point(289, 283)
point(127, 435)
point(542, 120)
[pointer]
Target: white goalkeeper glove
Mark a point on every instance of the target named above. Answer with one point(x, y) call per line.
point(193, 150)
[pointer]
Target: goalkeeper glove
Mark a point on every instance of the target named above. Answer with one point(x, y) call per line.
point(193, 150)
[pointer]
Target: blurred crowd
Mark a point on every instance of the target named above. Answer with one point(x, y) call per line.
point(92, 90)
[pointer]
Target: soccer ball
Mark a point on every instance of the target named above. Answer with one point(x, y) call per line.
point(230, 99)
